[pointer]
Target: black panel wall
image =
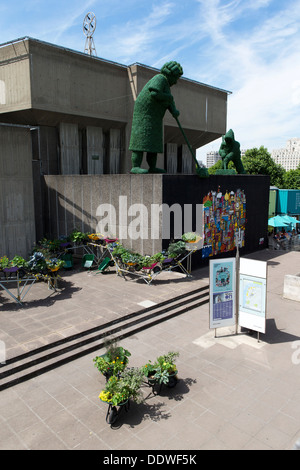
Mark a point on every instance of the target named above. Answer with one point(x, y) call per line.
point(190, 189)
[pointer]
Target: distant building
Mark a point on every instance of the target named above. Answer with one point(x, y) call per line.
point(213, 157)
point(288, 157)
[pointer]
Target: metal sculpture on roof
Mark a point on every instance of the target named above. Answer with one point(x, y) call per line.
point(89, 26)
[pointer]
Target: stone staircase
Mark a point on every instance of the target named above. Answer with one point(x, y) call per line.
point(41, 360)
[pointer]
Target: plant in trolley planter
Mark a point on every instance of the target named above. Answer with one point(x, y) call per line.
point(16, 266)
point(162, 371)
point(191, 237)
point(6, 265)
point(20, 265)
point(37, 263)
point(113, 362)
point(54, 264)
point(78, 237)
point(176, 249)
point(130, 259)
point(96, 238)
point(120, 390)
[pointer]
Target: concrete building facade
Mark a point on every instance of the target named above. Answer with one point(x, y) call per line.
point(288, 157)
point(78, 112)
point(212, 158)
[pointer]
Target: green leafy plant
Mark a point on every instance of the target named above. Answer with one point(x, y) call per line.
point(78, 237)
point(163, 367)
point(52, 246)
point(189, 237)
point(130, 258)
point(19, 261)
point(158, 257)
point(114, 361)
point(176, 248)
point(148, 369)
point(5, 262)
point(119, 389)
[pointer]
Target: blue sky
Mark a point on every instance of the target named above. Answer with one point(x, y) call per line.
point(248, 47)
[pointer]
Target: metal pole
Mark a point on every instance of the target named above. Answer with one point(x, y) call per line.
point(237, 268)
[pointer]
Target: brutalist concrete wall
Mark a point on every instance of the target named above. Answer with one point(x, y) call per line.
point(118, 204)
point(17, 214)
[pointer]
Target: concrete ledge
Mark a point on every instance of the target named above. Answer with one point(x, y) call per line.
point(291, 287)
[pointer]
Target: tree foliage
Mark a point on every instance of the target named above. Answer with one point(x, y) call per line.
point(291, 179)
point(259, 162)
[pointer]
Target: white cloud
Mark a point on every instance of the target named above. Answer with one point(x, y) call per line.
point(247, 47)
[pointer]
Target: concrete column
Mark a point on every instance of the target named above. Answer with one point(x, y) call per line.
point(114, 151)
point(171, 158)
point(187, 160)
point(69, 149)
point(94, 137)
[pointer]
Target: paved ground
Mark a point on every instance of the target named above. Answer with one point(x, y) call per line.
point(234, 392)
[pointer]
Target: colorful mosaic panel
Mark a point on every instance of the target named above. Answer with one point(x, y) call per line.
point(224, 218)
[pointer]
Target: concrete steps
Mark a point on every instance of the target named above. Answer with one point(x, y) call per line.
point(48, 357)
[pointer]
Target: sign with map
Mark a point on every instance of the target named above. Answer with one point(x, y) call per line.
point(252, 295)
point(222, 293)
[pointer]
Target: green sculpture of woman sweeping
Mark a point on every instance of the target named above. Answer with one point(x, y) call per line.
point(149, 110)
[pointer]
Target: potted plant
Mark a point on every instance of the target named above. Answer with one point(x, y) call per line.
point(7, 266)
point(118, 390)
point(78, 238)
point(175, 249)
point(96, 238)
point(18, 264)
point(149, 371)
point(131, 259)
point(54, 264)
point(37, 263)
point(64, 242)
point(162, 371)
point(113, 362)
point(19, 261)
point(4, 262)
point(191, 237)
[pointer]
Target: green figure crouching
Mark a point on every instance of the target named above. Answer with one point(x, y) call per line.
point(149, 110)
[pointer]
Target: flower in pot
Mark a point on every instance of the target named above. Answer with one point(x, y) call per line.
point(113, 362)
point(96, 238)
point(149, 371)
point(4, 262)
point(37, 263)
point(54, 264)
point(118, 390)
point(162, 370)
